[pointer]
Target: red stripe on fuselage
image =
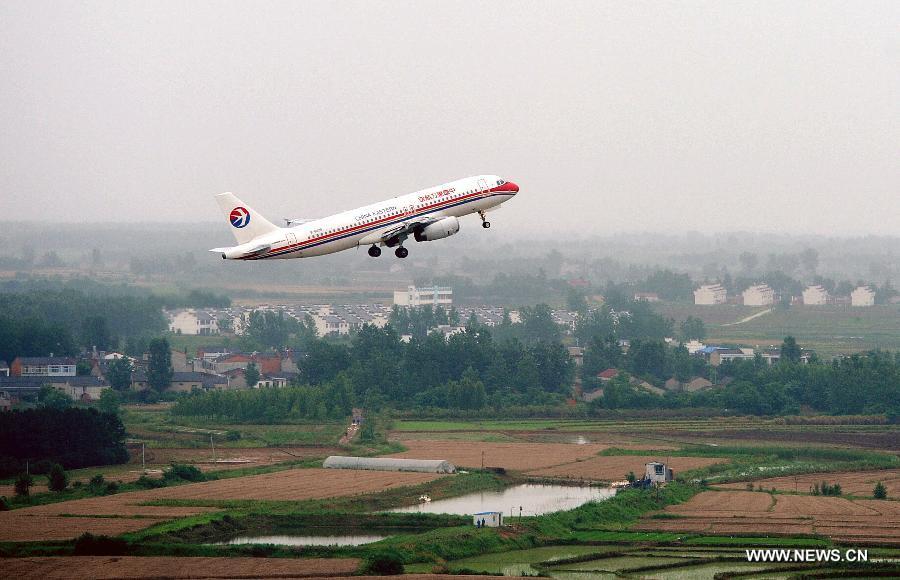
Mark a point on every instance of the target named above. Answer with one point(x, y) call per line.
point(375, 223)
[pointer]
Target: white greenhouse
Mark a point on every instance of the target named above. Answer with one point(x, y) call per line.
point(388, 464)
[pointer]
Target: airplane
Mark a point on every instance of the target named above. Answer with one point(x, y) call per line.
point(426, 215)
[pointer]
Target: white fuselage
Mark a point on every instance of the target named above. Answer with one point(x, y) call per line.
point(363, 225)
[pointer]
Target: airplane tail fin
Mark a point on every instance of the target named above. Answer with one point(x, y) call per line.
point(246, 223)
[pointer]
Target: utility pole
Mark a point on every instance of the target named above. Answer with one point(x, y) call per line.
point(143, 457)
point(213, 445)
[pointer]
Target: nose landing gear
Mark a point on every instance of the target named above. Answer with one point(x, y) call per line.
point(374, 251)
point(484, 223)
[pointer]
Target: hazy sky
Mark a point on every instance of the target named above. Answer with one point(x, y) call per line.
point(611, 116)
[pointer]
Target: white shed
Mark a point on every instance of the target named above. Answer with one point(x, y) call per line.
point(487, 519)
point(658, 472)
point(389, 464)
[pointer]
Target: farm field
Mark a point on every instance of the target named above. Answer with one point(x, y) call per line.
point(98, 567)
point(745, 512)
point(859, 483)
point(124, 512)
point(157, 567)
point(615, 467)
point(829, 330)
point(511, 456)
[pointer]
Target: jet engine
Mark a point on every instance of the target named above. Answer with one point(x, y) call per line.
point(442, 228)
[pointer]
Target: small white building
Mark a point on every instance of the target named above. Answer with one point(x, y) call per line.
point(433, 295)
point(657, 472)
point(487, 519)
point(815, 296)
point(694, 346)
point(191, 321)
point(709, 294)
point(759, 295)
point(862, 296)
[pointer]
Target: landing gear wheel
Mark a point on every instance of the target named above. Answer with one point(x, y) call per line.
point(374, 251)
point(485, 224)
point(401, 252)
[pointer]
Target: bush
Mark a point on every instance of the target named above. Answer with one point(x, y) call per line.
point(88, 544)
point(880, 492)
point(383, 563)
point(58, 480)
point(149, 482)
point(23, 484)
point(233, 436)
point(4, 504)
point(185, 472)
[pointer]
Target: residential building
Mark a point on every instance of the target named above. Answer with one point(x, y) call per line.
point(815, 296)
point(720, 355)
point(191, 321)
point(608, 374)
point(646, 297)
point(433, 295)
point(79, 388)
point(759, 295)
point(183, 382)
point(4, 369)
point(694, 346)
point(862, 296)
point(42, 366)
point(709, 294)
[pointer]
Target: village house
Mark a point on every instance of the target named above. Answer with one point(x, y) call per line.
point(815, 296)
point(709, 294)
point(42, 366)
point(191, 321)
point(759, 295)
point(862, 296)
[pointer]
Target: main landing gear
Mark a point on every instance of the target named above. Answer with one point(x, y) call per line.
point(484, 223)
point(400, 252)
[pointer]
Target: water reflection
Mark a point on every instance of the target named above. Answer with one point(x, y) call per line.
point(292, 540)
point(534, 499)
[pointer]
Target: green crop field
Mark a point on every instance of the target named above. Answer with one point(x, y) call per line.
point(829, 330)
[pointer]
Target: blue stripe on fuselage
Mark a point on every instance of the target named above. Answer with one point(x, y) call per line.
point(376, 227)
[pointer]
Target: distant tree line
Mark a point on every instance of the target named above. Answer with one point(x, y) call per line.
point(467, 371)
point(38, 318)
point(860, 384)
point(70, 437)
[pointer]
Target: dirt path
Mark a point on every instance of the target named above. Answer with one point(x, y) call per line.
point(749, 318)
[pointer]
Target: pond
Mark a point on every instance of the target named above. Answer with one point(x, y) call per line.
point(306, 540)
point(534, 499)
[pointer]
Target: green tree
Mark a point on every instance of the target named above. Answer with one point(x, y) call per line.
point(880, 491)
point(83, 368)
point(118, 373)
point(95, 333)
point(790, 350)
point(367, 432)
point(23, 484)
point(159, 367)
point(57, 479)
point(109, 402)
point(251, 375)
point(50, 398)
point(693, 328)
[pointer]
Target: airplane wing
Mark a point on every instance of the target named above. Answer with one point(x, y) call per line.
point(397, 233)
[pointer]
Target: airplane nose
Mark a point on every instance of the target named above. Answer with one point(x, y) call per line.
point(508, 187)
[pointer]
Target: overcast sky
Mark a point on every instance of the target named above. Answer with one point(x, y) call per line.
point(611, 116)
